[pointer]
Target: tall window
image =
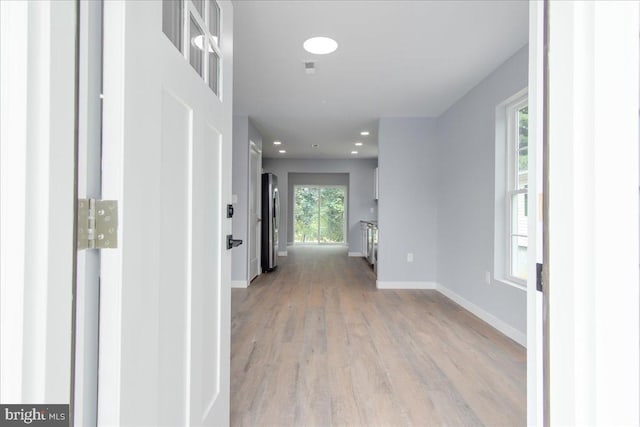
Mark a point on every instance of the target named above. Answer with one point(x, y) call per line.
point(516, 197)
point(319, 214)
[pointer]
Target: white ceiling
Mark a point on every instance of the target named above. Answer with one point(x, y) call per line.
point(395, 58)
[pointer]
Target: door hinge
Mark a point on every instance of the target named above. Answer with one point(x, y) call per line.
point(97, 224)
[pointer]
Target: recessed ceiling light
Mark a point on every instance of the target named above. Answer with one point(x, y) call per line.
point(277, 142)
point(358, 144)
point(364, 133)
point(320, 45)
point(282, 151)
point(354, 152)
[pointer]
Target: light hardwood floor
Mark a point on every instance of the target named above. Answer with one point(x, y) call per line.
point(314, 343)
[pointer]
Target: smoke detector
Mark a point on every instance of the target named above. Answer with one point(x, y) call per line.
point(309, 67)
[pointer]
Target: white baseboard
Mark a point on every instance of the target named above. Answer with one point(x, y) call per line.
point(487, 317)
point(239, 284)
point(358, 254)
point(405, 285)
point(282, 253)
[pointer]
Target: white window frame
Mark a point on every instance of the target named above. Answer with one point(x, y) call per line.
point(511, 182)
point(213, 41)
point(203, 22)
point(344, 214)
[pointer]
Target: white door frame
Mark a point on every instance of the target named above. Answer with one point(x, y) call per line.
point(534, 298)
point(251, 232)
point(593, 213)
point(37, 199)
point(85, 390)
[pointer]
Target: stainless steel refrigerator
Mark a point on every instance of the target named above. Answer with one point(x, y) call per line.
point(270, 221)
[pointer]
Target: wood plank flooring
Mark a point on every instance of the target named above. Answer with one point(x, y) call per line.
point(314, 343)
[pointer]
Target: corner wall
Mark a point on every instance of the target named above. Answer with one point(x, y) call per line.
point(407, 215)
point(243, 133)
point(437, 185)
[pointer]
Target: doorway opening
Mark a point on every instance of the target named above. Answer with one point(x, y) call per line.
point(319, 214)
point(255, 210)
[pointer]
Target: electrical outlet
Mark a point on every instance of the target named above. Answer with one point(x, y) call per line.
point(487, 277)
point(410, 257)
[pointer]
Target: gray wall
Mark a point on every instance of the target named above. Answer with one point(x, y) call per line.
point(407, 215)
point(466, 160)
point(313, 179)
point(243, 132)
point(361, 201)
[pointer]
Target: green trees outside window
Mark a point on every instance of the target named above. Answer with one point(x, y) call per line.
point(319, 214)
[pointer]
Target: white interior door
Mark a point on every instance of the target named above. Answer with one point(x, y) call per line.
point(255, 206)
point(165, 299)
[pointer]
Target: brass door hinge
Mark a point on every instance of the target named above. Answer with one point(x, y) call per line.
point(97, 224)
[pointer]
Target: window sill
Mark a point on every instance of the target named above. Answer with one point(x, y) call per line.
point(522, 287)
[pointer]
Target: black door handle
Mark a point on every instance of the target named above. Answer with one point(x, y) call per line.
point(231, 242)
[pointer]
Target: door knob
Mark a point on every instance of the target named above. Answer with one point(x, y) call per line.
point(232, 243)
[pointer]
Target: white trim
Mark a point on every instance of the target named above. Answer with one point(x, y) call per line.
point(534, 298)
point(405, 285)
point(282, 253)
point(507, 282)
point(356, 254)
point(519, 101)
point(14, 45)
point(501, 326)
point(593, 213)
point(37, 70)
point(240, 284)
point(490, 319)
point(504, 113)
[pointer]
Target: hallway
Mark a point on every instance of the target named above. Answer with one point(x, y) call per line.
point(314, 343)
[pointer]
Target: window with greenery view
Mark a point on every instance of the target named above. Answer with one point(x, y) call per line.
point(319, 214)
point(516, 197)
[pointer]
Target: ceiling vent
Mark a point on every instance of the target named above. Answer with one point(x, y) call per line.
point(310, 67)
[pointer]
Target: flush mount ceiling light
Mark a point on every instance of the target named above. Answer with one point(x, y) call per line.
point(198, 42)
point(358, 144)
point(282, 151)
point(364, 133)
point(320, 45)
point(354, 152)
point(277, 142)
